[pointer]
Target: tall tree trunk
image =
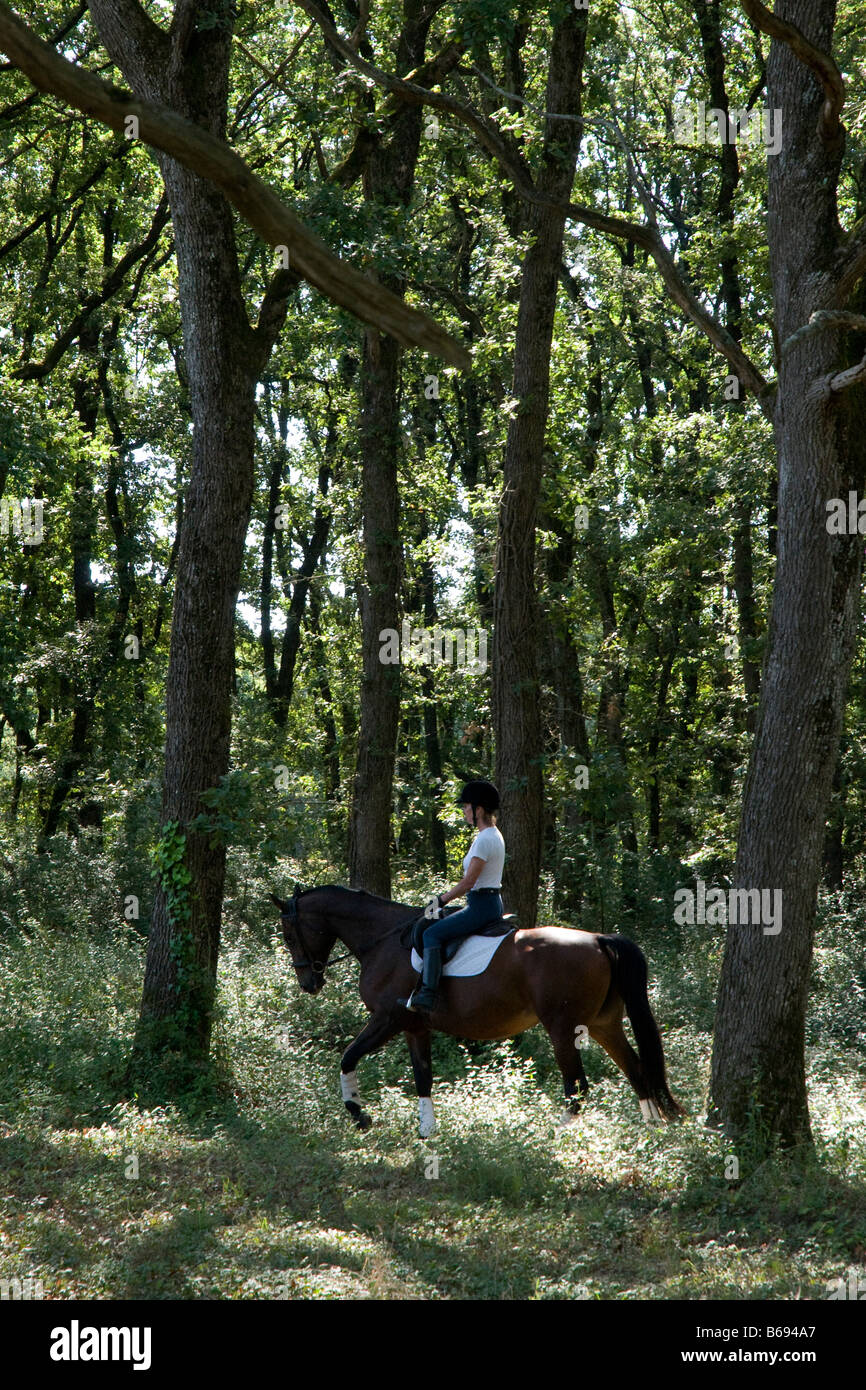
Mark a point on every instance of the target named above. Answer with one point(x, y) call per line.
point(201, 656)
point(710, 25)
point(516, 687)
point(370, 825)
point(561, 665)
point(389, 179)
point(280, 681)
point(432, 746)
point(325, 705)
point(188, 71)
point(758, 1075)
point(747, 630)
point(83, 526)
point(657, 739)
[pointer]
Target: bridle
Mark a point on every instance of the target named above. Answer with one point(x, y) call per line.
point(317, 966)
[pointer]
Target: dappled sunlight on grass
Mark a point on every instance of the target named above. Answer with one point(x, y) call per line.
point(272, 1194)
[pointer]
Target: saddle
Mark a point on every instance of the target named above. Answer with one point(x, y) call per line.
point(413, 937)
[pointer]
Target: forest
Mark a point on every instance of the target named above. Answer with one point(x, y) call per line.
point(396, 393)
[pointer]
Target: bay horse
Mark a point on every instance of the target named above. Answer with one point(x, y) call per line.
point(575, 983)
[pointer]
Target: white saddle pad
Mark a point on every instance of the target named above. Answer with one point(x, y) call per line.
point(473, 957)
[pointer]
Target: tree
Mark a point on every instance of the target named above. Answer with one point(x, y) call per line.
point(516, 692)
point(183, 75)
point(820, 426)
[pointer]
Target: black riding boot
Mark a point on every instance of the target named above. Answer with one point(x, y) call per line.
point(423, 1000)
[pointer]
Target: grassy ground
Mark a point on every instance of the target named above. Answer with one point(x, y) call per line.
point(272, 1194)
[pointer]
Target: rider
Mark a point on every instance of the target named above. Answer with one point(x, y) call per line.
point(481, 882)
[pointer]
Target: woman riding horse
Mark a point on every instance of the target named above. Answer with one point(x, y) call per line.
point(481, 882)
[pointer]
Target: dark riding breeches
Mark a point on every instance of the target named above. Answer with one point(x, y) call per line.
point(482, 907)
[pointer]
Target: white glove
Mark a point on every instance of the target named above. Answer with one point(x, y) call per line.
point(433, 910)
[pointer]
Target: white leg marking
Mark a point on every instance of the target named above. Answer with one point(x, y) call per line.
point(565, 1119)
point(349, 1086)
point(426, 1118)
point(650, 1113)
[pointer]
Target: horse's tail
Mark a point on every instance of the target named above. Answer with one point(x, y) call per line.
point(629, 978)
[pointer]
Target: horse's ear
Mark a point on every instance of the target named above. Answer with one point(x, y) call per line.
point(280, 902)
point(297, 892)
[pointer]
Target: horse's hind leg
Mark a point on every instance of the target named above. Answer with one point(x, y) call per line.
point(376, 1032)
point(567, 1039)
point(422, 1067)
point(617, 1046)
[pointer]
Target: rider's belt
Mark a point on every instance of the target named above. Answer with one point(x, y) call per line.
point(479, 891)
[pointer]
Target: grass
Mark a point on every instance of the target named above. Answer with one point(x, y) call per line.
point(272, 1194)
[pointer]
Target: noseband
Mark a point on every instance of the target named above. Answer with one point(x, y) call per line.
point(317, 966)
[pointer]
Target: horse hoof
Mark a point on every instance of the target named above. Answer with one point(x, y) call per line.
point(424, 1131)
point(566, 1120)
point(363, 1121)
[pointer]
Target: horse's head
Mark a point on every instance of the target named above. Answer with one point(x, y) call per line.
point(308, 943)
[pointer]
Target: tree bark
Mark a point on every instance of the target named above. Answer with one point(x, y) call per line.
point(758, 1075)
point(325, 707)
point(187, 72)
point(370, 825)
point(83, 683)
point(180, 978)
point(389, 178)
point(516, 686)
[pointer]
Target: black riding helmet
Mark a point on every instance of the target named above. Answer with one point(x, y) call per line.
point(482, 794)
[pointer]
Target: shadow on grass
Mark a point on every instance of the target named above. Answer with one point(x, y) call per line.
point(79, 1079)
point(498, 1265)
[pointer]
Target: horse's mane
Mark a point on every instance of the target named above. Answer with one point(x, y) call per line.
point(359, 892)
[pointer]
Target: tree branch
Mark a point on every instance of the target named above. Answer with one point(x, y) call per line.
point(112, 282)
point(822, 65)
point(359, 34)
point(851, 377)
point(429, 74)
point(415, 95)
point(518, 171)
point(53, 207)
point(826, 386)
point(851, 259)
point(824, 319)
point(66, 27)
point(123, 24)
point(273, 77)
point(212, 159)
point(272, 314)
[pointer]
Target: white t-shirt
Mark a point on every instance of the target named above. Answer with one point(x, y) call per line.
point(489, 846)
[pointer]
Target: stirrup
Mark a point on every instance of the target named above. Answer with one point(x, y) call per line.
point(415, 1008)
point(418, 1004)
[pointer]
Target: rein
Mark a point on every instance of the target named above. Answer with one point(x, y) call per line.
point(318, 966)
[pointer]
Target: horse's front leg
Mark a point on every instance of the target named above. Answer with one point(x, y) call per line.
point(378, 1030)
point(422, 1066)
